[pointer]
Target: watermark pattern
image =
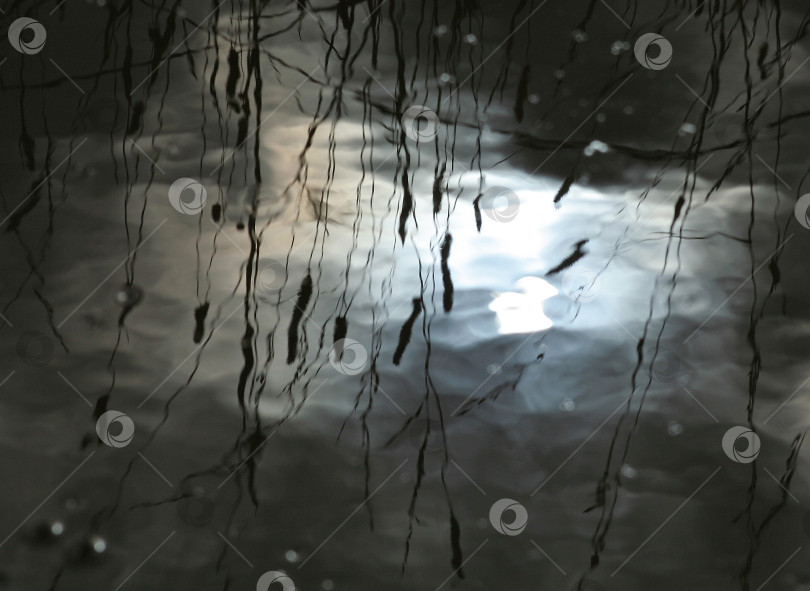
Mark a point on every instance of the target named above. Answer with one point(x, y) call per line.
point(801, 211)
point(238, 105)
point(642, 51)
point(348, 357)
point(420, 123)
point(520, 517)
point(274, 576)
point(500, 204)
point(197, 506)
point(666, 366)
point(271, 277)
point(115, 429)
point(427, 434)
point(195, 204)
point(35, 348)
point(669, 367)
point(741, 435)
point(34, 32)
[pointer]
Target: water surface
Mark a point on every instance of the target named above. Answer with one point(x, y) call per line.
point(562, 284)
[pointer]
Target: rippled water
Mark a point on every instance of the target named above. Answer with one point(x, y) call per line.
point(404, 295)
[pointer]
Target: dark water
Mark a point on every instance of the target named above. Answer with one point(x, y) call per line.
point(405, 295)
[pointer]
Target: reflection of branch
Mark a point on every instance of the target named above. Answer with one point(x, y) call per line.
point(405, 332)
point(231, 87)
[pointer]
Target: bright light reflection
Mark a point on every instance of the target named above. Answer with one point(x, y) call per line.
point(523, 312)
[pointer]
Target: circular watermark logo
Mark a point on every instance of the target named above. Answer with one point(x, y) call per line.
point(500, 204)
point(275, 576)
point(420, 123)
point(518, 522)
point(271, 276)
point(192, 206)
point(581, 285)
point(427, 433)
point(35, 348)
point(115, 429)
point(643, 45)
point(801, 209)
point(197, 506)
point(741, 435)
point(667, 366)
point(27, 35)
point(348, 357)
